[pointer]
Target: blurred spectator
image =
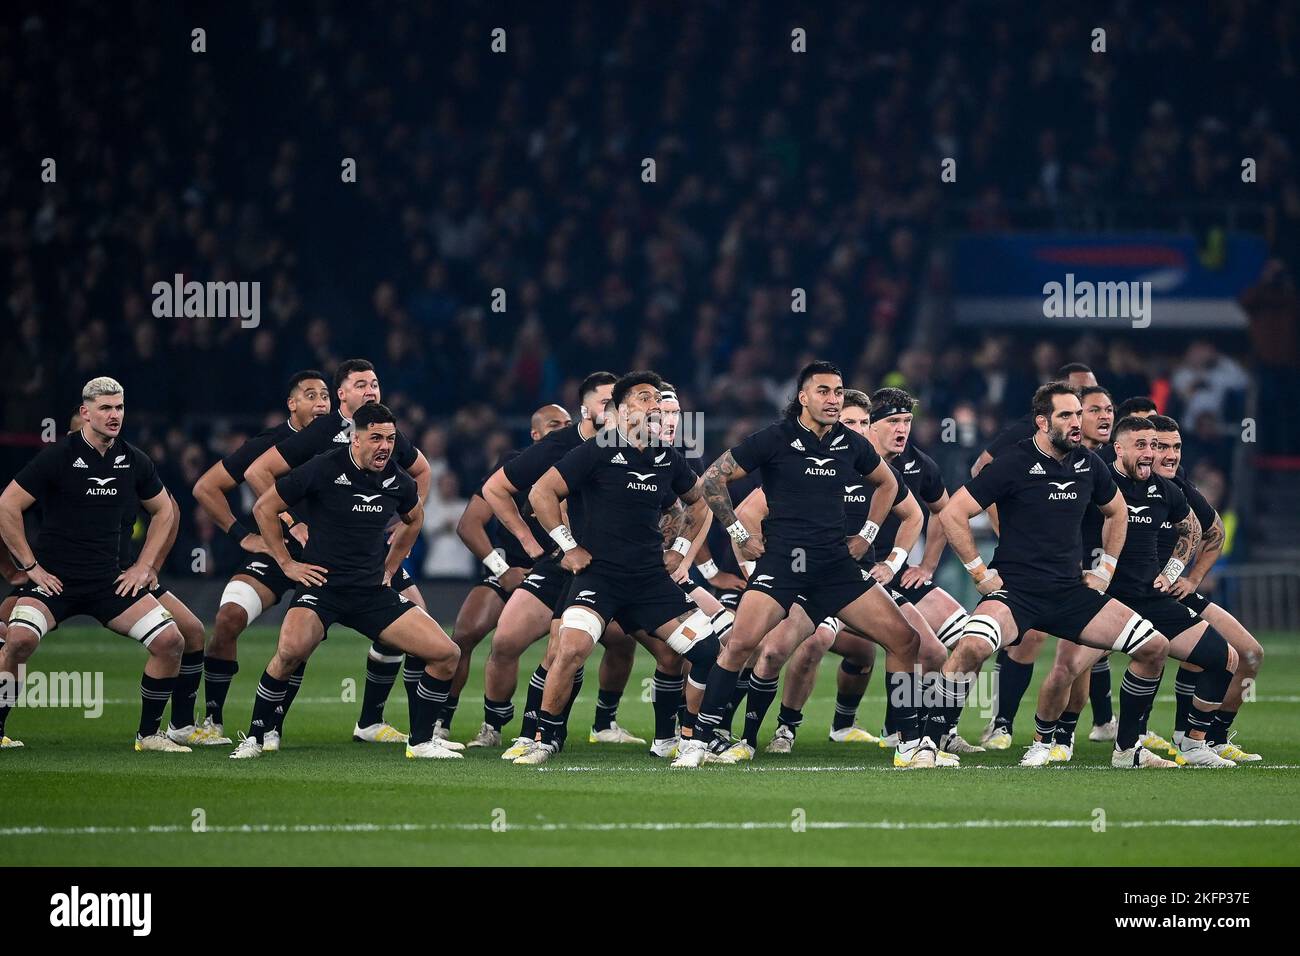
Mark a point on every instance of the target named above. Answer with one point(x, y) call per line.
point(445, 554)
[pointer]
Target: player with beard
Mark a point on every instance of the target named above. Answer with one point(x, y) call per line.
point(805, 461)
point(1150, 500)
point(75, 565)
point(628, 481)
point(1168, 465)
point(532, 613)
point(1016, 664)
point(507, 563)
point(349, 497)
point(356, 384)
point(1043, 487)
point(258, 584)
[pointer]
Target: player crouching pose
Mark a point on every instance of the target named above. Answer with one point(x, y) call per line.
point(350, 495)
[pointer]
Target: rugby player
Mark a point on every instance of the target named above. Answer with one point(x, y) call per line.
point(1250, 654)
point(532, 612)
point(81, 485)
point(805, 461)
point(348, 497)
point(1035, 581)
point(356, 385)
point(258, 584)
point(506, 562)
point(1150, 501)
point(621, 572)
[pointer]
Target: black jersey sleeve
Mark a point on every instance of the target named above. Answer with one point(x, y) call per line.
point(1103, 483)
point(534, 461)
point(404, 453)
point(1205, 512)
point(684, 476)
point(993, 481)
point(294, 486)
point(39, 473)
point(304, 445)
point(1010, 436)
point(758, 448)
point(147, 483)
point(932, 487)
point(410, 495)
point(866, 460)
point(576, 465)
point(1178, 506)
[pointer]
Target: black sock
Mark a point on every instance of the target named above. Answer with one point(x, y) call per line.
point(217, 675)
point(10, 693)
point(953, 691)
point(932, 708)
point(551, 727)
point(295, 683)
point(1099, 693)
point(606, 708)
point(1198, 719)
point(737, 698)
point(667, 697)
point(498, 713)
point(186, 690)
point(154, 694)
point(568, 708)
point(412, 668)
point(431, 696)
point(1065, 725)
point(1218, 730)
point(717, 692)
point(533, 703)
point(1184, 689)
point(1146, 715)
point(762, 691)
point(902, 695)
point(268, 706)
point(1046, 729)
point(789, 717)
point(846, 710)
point(1136, 695)
point(380, 675)
point(1013, 681)
point(449, 711)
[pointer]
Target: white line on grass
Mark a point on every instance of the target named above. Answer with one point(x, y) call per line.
point(649, 825)
point(857, 768)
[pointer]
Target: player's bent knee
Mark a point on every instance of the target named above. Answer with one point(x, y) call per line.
point(26, 625)
point(165, 642)
point(1138, 638)
point(1212, 652)
point(982, 635)
point(244, 596)
point(585, 620)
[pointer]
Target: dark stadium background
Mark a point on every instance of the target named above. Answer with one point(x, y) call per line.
point(522, 171)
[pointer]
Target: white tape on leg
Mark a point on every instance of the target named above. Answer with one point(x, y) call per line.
point(30, 617)
point(583, 619)
point(147, 628)
point(985, 628)
point(690, 632)
point(245, 595)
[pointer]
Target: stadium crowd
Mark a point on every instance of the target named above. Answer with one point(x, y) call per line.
point(522, 172)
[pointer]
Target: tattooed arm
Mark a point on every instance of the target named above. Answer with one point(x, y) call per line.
point(1210, 547)
point(714, 486)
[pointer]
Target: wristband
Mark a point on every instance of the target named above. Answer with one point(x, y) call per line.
point(1173, 569)
point(26, 569)
point(869, 531)
point(1107, 559)
point(681, 545)
point(709, 569)
point(737, 532)
point(1101, 572)
point(988, 573)
point(496, 564)
point(972, 565)
point(748, 567)
point(897, 558)
point(564, 538)
point(237, 532)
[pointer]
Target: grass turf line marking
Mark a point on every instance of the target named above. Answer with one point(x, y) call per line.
point(876, 768)
point(654, 826)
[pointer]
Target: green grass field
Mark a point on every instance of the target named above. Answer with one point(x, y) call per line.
point(79, 795)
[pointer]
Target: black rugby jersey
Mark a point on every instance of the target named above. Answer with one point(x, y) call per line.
point(86, 500)
point(348, 510)
point(626, 491)
point(1149, 504)
point(529, 465)
point(511, 549)
point(1166, 536)
point(1022, 428)
point(328, 432)
point(804, 478)
point(857, 505)
point(1041, 504)
point(237, 462)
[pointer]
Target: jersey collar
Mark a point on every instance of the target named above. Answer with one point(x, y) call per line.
point(104, 454)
